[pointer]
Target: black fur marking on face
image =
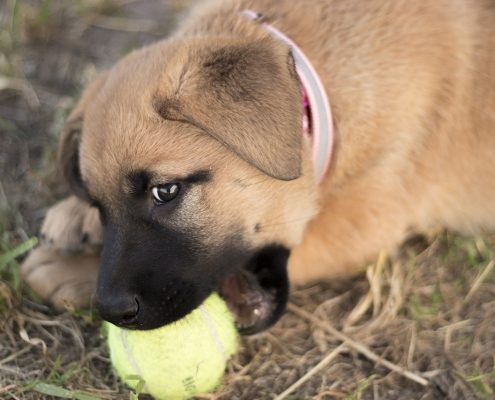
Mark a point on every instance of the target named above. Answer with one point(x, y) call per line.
point(201, 176)
point(138, 181)
point(161, 268)
point(152, 274)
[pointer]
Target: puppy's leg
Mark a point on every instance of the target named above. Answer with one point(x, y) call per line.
point(351, 229)
point(72, 226)
point(64, 268)
point(61, 280)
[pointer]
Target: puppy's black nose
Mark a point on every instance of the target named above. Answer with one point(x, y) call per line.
point(119, 310)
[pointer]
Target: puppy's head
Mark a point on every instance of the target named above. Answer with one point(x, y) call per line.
point(193, 152)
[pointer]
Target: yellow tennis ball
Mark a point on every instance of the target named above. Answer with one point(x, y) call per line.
point(178, 360)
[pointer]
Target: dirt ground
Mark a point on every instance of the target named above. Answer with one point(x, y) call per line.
point(419, 325)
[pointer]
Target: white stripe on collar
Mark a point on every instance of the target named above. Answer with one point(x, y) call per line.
point(320, 115)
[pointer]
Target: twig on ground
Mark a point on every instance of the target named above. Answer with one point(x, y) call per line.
point(7, 388)
point(323, 363)
point(15, 355)
point(375, 277)
point(357, 346)
point(449, 330)
point(412, 345)
point(479, 280)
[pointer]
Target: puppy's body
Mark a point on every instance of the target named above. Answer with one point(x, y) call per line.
point(412, 88)
point(412, 91)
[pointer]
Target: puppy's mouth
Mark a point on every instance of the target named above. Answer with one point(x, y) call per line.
point(257, 294)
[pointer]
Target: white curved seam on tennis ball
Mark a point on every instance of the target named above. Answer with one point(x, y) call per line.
point(132, 360)
point(213, 332)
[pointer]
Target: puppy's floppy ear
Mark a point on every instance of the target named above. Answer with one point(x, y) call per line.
point(68, 148)
point(243, 93)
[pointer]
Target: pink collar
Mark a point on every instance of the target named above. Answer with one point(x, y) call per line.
point(317, 118)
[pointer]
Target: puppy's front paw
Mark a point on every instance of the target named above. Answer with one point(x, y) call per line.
point(61, 280)
point(72, 226)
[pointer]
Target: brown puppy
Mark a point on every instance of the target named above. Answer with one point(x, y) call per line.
point(192, 150)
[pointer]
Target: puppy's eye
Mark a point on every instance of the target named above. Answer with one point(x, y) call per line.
point(165, 193)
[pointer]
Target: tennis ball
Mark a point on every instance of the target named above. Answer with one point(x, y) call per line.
point(178, 360)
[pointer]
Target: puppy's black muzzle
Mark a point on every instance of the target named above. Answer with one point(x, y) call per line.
point(150, 277)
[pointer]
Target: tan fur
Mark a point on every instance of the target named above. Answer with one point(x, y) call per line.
point(412, 89)
point(72, 226)
point(61, 280)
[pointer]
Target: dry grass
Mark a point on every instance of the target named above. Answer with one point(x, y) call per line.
point(417, 319)
point(419, 325)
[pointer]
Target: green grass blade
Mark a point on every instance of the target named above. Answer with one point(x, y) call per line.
point(11, 255)
point(52, 390)
point(85, 396)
